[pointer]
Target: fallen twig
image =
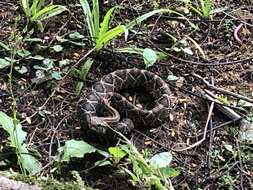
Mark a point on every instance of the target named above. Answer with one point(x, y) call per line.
point(205, 130)
point(210, 86)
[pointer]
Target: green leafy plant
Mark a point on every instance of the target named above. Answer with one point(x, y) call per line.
point(74, 148)
point(26, 161)
point(147, 172)
point(101, 33)
point(149, 56)
point(36, 12)
point(204, 8)
point(81, 74)
point(17, 136)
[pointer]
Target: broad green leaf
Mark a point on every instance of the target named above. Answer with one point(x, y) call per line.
point(57, 48)
point(106, 21)
point(109, 35)
point(141, 18)
point(21, 69)
point(4, 63)
point(169, 172)
point(117, 152)
point(87, 12)
point(76, 36)
point(46, 65)
point(161, 160)
point(15, 135)
point(74, 148)
point(56, 75)
point(29, 162)
point(23, 53)
point(149, 57)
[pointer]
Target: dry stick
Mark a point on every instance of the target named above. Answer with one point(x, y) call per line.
point(210, 139)
point(214, 176)
point(60, 83)
point(208, 64)
point(58, 32)
point(222, 90)
point(210, 143)
point(52, 138)
point(240, 163)
point(205, 131)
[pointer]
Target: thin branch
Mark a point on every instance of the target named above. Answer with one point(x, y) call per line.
point(210, 86)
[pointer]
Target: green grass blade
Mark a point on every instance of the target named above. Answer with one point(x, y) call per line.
point(199, 12)
point(139, 51)
point(141, 18)
point(41, 3)
point(26, 8)
point(95, 15)
point(4, 46)
point(109, 35)
point(48, 12)
point(88, 15)
point(206, 7)
point(106, 21)
point(34, 7)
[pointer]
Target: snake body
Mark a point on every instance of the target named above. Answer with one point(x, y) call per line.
point(104, 94)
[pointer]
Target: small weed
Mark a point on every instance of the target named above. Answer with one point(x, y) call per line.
point(204, 8)
point(149, 56)
point(36, 12)
point(101, 33)
point(17, 136)
point(81, 74)
point(150, 173)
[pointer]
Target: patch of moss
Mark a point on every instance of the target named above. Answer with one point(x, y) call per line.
point(49, 183)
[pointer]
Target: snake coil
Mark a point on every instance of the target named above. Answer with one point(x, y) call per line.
point(104, 95)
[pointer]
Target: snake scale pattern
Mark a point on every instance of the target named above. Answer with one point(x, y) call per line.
point(105, 94)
